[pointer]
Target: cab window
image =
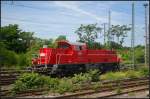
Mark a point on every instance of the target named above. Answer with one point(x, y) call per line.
point(64, 46)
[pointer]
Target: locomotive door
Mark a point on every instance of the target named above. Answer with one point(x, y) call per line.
point(81, 54)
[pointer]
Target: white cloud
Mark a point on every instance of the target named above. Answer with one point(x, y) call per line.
point(75, 7)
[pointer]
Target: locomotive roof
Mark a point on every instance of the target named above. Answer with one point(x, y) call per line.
point(76, 43)
point(73, 43)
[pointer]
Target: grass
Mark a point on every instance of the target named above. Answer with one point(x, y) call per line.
point(142, 72)
point(97, 86)
point(131, 94)
point(113, 76)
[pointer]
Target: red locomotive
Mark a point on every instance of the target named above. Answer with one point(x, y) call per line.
point(75, 57)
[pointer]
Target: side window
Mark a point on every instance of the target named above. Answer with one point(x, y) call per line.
point(78, 47)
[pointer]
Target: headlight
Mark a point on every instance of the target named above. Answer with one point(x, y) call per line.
point(42, 54)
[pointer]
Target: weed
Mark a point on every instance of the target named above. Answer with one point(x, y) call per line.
point(131, 94)
point(65, 86)
point(113, 76)
point(97, 86)
point(133, 74)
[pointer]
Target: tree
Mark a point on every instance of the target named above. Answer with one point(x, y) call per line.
point(88, 33)
point(15, 39)
point(115, 45)
point(94, 45)
point(61, 37)
point(26, 38)
point(120, 31)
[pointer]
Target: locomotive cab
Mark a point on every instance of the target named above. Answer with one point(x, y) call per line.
point(71, 47)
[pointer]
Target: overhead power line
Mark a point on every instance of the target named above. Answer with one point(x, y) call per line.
point(13, 4)
point(34, 22)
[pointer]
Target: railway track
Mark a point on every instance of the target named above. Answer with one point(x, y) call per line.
point(106, 90)
point(8, 76)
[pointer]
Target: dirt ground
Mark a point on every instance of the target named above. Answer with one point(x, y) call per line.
point(142, 94)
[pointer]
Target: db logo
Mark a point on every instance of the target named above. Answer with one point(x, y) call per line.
point(79, 53)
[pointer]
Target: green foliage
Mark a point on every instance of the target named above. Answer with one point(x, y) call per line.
point(120, 31)
point(118, 90)
point(133, 74)
point(15, 39)
point(32, 80)
point(65, 86)
point(35, 81)
point(94, 74)
point(144, 71)
point(139, 55)
point(96, 86)
point(115, 45)
point(94, 45)
point(22, 60)
point(51, 83)
point(8, 58)
point(19, 86)
point(81, 78)
point(61, 37)
point(113, 76)
point(88, 33)
point(126, 54)
point(28, 81)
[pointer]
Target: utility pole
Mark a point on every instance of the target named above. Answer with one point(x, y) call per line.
point(109, 32)
point(146, 34)
point(148, 44)
point(104, 32)
point(132, 37)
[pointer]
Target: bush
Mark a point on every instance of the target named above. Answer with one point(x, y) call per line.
point(35, 81)
point(94, 74)
point(51, 83)
point(22, 60)
point(8, 58)
point(81, 78)
point(127, 74)
point(144, 71)
point(113, 76)
point(133, 74)
point(97, 86)
point(28, 81)
point(19, 86)
point(65, 86)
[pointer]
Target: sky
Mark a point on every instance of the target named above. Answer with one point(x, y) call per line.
point(49, 19)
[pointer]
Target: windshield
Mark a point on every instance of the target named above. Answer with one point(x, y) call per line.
point(64, 46)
